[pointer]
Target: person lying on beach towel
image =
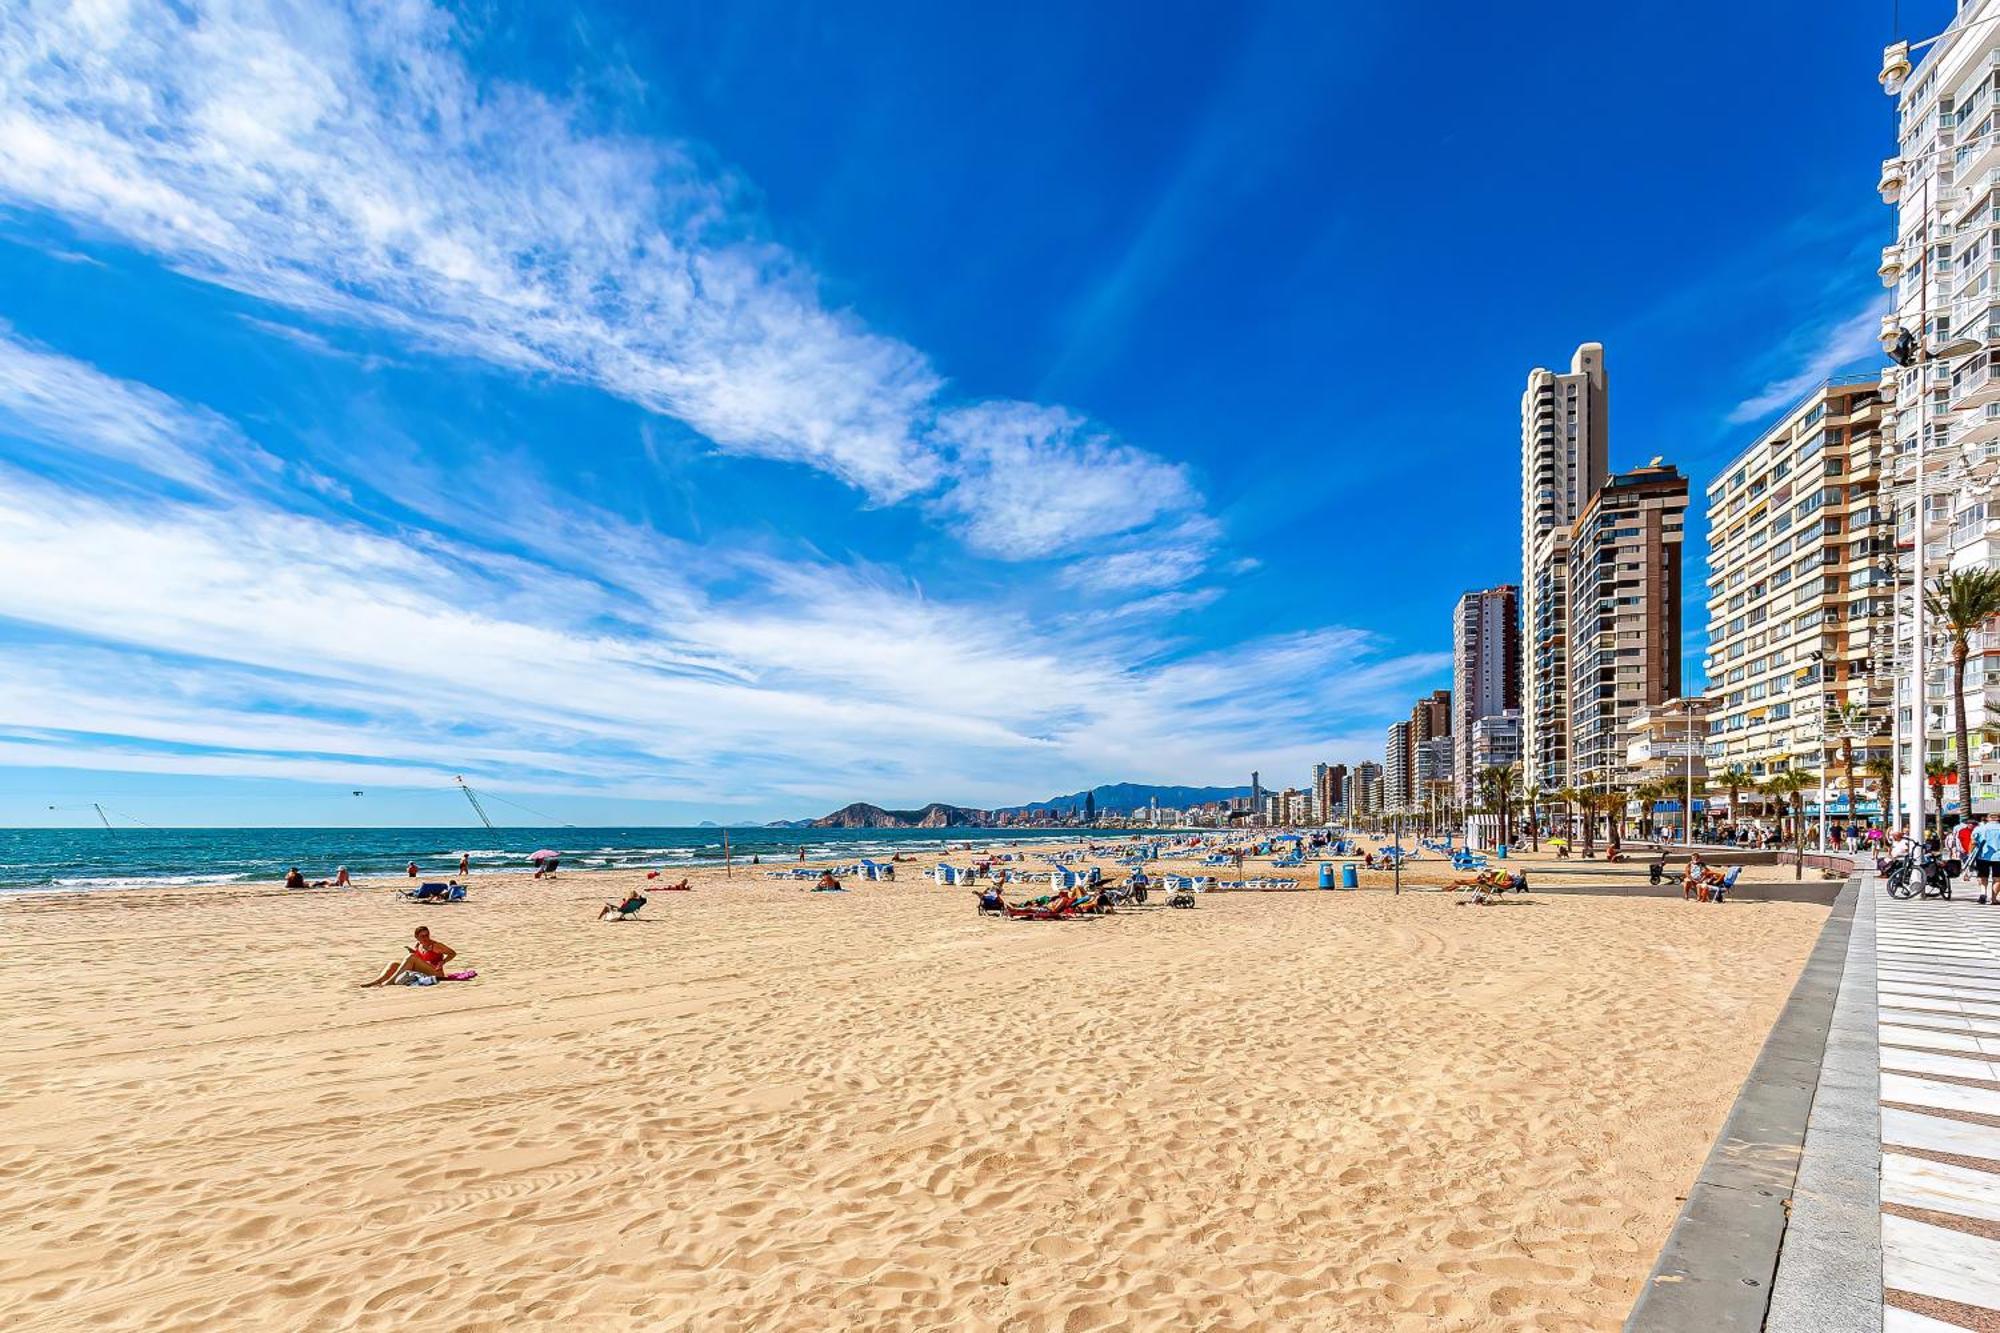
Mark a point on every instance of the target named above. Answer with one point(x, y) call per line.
point(340, 879)
point(426, 958)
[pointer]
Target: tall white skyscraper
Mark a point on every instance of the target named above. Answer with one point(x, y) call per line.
point(1944, 182)
point(1565, 442)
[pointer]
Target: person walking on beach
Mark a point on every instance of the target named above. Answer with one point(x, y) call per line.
point(427, 957)
point(411, 870)
point(465, 865)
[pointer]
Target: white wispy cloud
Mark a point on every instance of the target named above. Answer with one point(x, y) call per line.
point(47, 398)
point(256, 640)
point(343, 161)
point(1824, 353)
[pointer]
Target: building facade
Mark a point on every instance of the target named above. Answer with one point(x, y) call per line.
point(1496, 743)
point(1329, 789)
point(1565, 444)
point(1485, 672)
point(1433, 788)
point(1800, 604)
point(1624, 633)
point(1398, 768)
point(1945, 185)
point(1364, 797)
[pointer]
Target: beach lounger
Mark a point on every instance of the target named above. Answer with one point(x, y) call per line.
point(629, 908)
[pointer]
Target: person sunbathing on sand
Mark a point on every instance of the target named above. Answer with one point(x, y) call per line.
point(427, 957)
point(827, 883)
point(293, 879)
point(340, 879)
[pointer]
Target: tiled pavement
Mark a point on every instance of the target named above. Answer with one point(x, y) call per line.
point(1938, 996)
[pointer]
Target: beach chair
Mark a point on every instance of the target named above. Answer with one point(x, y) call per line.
point(1728, 883)
point(629, 908)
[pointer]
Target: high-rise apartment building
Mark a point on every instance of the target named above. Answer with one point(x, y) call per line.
point(1496, 743)
point(1624, 634)
point(1945, 184)
point(1364, 796)
point(1432, 769)
point(1429, 720)
point(1329, 788)
point(1485, 671)
point(1398, 768)
point(1797, 530)
point(1565, 441)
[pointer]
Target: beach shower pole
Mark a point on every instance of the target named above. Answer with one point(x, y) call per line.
point(725, 853)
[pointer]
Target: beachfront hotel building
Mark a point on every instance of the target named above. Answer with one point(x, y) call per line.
point(1485, 673)
point(1624, 632)
point(1800, 610)
point(1565, 441)
point(1944, 182)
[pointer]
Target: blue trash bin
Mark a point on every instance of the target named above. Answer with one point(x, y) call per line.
point(1501, 851)
point(1348, 878)
point(1326, 874)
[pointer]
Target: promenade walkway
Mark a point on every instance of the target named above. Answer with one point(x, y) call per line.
point(1938, 997)
point(1856, 1185)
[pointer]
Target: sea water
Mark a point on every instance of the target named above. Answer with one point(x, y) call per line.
point(132, 858)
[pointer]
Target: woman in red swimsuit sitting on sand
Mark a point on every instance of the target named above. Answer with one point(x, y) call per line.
point(427, 956)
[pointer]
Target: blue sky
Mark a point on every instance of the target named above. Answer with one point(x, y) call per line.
point(729, 411)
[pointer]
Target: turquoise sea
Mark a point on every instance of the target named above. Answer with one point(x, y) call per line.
point(128, 858)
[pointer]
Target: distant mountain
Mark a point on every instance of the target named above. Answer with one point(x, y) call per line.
point(790, 823)
point(708, 823)
point(1124, 798)
point(934, 815)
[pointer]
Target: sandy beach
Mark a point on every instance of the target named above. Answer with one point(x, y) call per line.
point(757, 1107)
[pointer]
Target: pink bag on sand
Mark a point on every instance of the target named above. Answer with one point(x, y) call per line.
point(460, 976)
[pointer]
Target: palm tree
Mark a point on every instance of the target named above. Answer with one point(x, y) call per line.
point(1961, 603)
point(1884, 773)
point(1851, 720)
point(1936, 773)
point(1735, 778)
point(1535, 816)
point(1791, 785)
point(1615, 800)
point(1505, 790)
point(1568, 796)
point(1588, 802)
point(1650, 795)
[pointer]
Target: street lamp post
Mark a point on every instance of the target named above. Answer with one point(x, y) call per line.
point(1819, 686)
point(1687, 759)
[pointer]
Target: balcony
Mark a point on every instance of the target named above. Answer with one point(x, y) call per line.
point(1979, 427)
point(1975, 383)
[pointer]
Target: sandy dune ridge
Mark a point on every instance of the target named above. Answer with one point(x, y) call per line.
point(762, 1108)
